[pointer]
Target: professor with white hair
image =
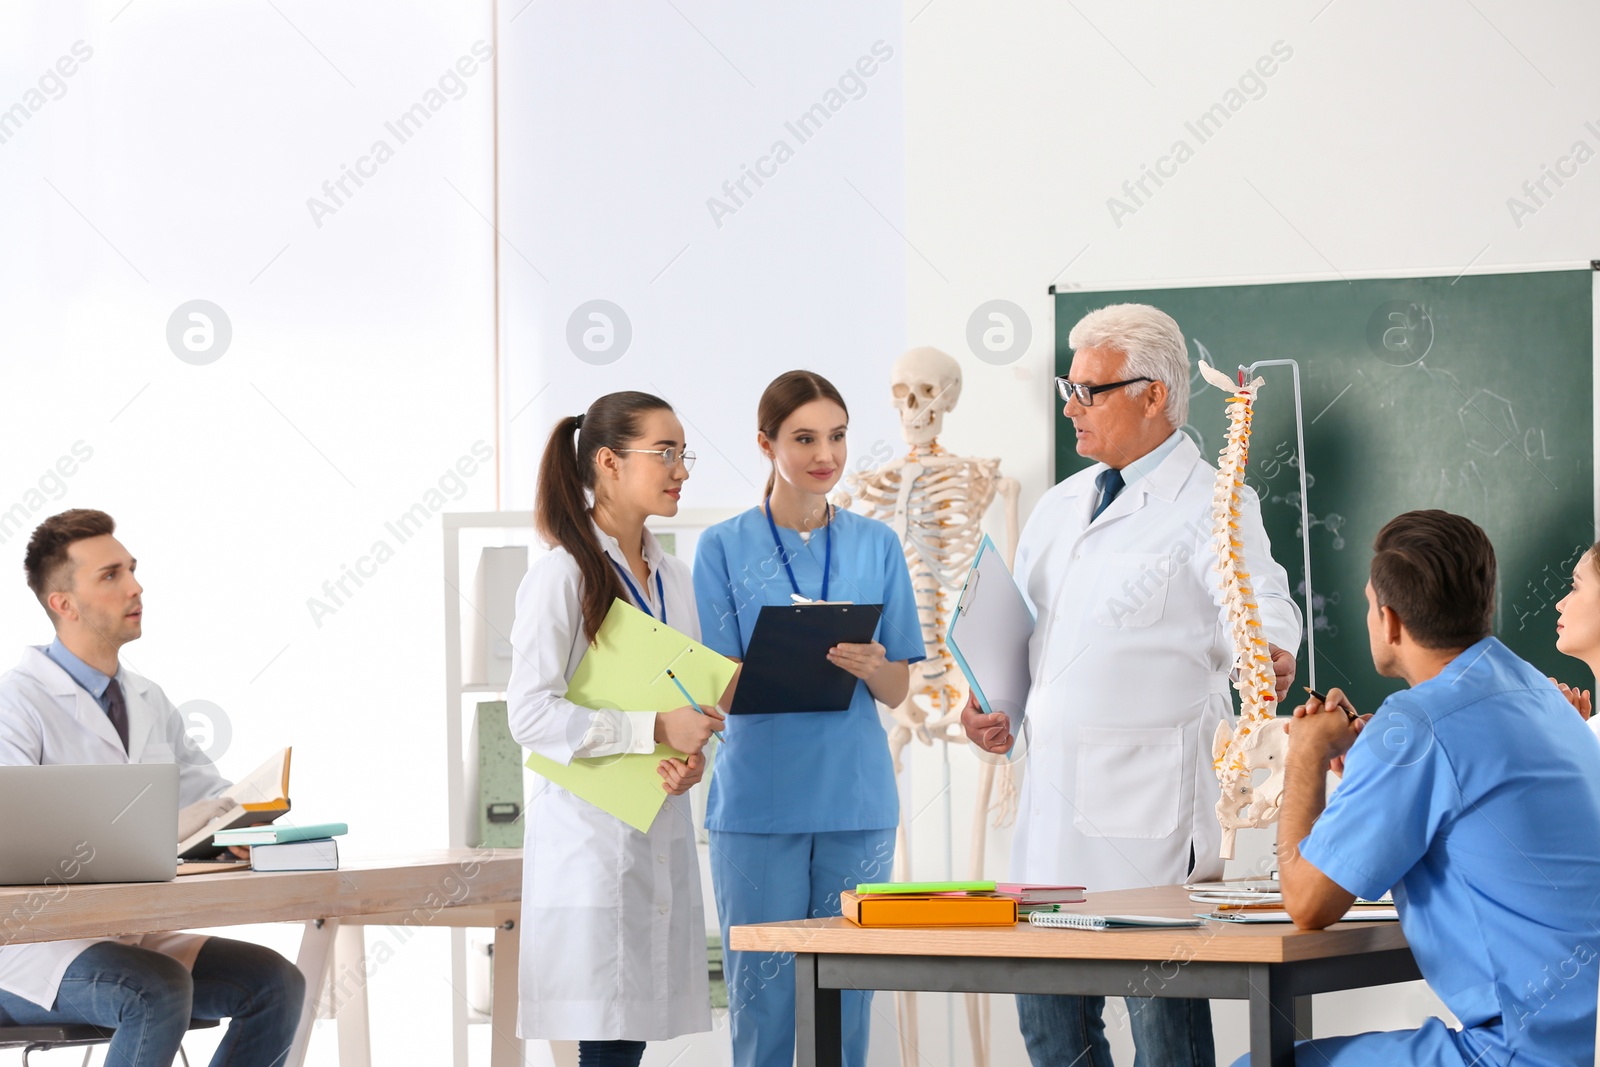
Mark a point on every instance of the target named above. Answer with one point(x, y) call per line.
point(1130, 658)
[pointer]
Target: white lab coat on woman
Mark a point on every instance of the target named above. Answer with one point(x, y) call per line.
point(1130, 659)
point(47, 718)
point(613, 926)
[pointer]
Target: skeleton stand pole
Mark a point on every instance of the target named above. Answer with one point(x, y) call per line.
point(1305, 504)
point(949, 869)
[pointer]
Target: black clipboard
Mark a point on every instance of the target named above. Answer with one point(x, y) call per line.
point(786, 667)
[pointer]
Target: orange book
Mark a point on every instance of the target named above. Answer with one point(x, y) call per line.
point(972, 909)
point(255, 800)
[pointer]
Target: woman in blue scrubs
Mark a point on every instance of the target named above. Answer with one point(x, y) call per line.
point(803, 804)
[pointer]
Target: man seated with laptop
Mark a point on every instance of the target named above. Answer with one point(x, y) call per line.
point(72, 702)
point(1475, 795)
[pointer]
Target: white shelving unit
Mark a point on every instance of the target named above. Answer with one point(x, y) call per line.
point(513, 527)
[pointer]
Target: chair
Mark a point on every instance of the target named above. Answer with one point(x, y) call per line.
point(31, 1039)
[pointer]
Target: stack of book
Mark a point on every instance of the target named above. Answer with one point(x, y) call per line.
point(288, 848)
point(881, 904)
point(1042, 898)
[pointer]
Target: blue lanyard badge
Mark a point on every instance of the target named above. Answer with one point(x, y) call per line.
point(638, 597)
point(827, 557)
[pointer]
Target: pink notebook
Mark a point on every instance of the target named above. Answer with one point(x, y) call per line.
point(1029, 893)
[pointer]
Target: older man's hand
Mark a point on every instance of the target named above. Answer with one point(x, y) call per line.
point(992, 733)
point(1283, 667)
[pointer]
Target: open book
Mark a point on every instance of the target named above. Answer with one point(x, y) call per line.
point(260, 797)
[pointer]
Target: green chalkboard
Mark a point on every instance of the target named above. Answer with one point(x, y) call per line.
point(1472, 394)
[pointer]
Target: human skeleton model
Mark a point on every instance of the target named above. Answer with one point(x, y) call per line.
point(1257, 741)
point(936, 502)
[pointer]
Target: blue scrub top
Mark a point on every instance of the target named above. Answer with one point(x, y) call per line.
point(803, 772)
point(1476, 796)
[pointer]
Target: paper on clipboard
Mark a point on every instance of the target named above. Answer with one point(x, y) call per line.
point(989, 636)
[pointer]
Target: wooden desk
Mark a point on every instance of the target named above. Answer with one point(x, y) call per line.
point(456, 887)
point(1275, 967)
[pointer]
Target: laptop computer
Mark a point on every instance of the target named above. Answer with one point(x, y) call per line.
point(100, 823)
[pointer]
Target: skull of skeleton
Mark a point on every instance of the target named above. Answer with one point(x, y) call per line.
point(927, 384)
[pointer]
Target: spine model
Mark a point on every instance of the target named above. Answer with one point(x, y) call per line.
point(1257, 741)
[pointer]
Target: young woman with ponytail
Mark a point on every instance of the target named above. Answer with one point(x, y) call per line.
point(803, 804)
point(613, 930)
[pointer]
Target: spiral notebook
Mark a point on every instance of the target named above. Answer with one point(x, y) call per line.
point(1075, 920)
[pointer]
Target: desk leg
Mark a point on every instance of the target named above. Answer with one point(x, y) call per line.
point(1302, 1018)
point(316, 947)
point(350, 1008)
point(819, 1037)
point(505, 1048)
point(1271, 1018)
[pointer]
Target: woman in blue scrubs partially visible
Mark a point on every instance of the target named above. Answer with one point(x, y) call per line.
point(803, 804)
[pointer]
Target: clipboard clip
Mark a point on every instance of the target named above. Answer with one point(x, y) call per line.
point(968, 592)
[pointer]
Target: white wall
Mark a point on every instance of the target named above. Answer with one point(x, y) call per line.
point(619, 122)
point(177, 165)
point(1389, 140)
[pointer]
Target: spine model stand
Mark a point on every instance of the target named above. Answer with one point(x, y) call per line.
point(1257, 741)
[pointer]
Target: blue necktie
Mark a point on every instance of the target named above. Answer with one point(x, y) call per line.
point(1110, 483)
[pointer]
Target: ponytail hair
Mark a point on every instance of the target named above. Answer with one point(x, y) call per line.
point(788, 393)
point(566, 480)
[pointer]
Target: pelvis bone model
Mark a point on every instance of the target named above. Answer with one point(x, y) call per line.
point(1258, 741)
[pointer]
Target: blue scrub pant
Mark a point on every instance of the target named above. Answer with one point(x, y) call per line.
point(761, 878)
point(1434, 1045)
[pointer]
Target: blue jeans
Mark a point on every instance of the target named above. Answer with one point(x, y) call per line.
point(761, 878)
point(1070, 1031)
point(148, 999)
point(610, 1053)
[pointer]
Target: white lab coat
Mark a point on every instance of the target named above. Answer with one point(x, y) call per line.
point(1130, 660)
point(613, 927)
point(47, 718)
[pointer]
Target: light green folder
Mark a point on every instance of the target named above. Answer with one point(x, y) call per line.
point(626, 670)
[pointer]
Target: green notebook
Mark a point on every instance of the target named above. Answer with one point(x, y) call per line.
point(278, 834)
point(626, 670)
point(924, 887)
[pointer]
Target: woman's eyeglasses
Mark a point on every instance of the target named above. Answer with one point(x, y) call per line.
point(670, 457)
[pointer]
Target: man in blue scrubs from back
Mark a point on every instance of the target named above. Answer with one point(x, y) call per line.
point(1475, 795)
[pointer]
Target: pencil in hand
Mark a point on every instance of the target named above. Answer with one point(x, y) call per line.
point(693, 703)
point(1349, 713)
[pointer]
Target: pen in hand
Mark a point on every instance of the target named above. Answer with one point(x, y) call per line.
point(1348, 713)
point(693, 703)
